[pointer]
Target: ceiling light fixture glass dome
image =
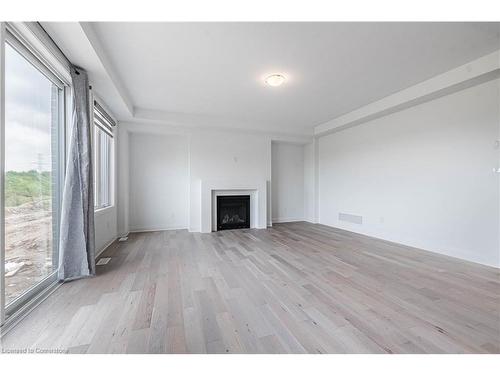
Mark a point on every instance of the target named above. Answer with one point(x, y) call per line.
point(275, 80)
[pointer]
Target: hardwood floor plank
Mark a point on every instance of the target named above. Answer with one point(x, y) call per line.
point(293, 288)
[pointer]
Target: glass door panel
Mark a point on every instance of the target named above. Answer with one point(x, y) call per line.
point(32, 175)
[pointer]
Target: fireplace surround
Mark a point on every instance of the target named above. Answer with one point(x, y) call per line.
point(211, 189)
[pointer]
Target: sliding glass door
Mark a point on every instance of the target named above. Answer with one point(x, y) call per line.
point(34, 107)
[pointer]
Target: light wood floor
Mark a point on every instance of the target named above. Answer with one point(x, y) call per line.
point(295, 288)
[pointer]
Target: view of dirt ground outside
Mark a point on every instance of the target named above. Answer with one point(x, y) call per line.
point(28, 232)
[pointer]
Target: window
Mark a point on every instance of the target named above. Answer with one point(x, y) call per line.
point(34, 134)
point(103, 151)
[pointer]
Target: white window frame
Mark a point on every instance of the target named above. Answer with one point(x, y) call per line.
point(97, 165)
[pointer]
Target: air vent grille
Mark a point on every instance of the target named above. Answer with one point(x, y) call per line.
point(356, 219)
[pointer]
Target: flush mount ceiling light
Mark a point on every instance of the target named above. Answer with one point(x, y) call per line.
point(275, 80)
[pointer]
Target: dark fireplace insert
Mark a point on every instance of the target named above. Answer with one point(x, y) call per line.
point(233, 211)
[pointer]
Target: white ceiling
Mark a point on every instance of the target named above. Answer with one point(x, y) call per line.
point(211, 74)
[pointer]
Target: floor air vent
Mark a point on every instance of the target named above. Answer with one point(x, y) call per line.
point(103, 261)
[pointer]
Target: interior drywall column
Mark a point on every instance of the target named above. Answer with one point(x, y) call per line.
point(269, 187)
point(114, 198)
point(317, 212)
point(309, 182)
point(498, 167)
point(123, 181)
point(2, 158)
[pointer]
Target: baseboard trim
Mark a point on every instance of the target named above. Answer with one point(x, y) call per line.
point(312, 221)
point(156, 230)
point(287, 220)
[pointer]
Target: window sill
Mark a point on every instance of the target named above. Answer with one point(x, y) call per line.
point(102, 211)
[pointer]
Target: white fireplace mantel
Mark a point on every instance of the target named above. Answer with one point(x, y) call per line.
point(258, 200)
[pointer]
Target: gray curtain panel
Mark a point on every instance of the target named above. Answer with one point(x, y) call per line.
point(77, 242)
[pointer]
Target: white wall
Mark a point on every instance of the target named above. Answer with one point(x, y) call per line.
point(105, 228)
point(287, 182)
point(212, 155)
point(158, 181)
point(222, 155)
point(422, 177)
